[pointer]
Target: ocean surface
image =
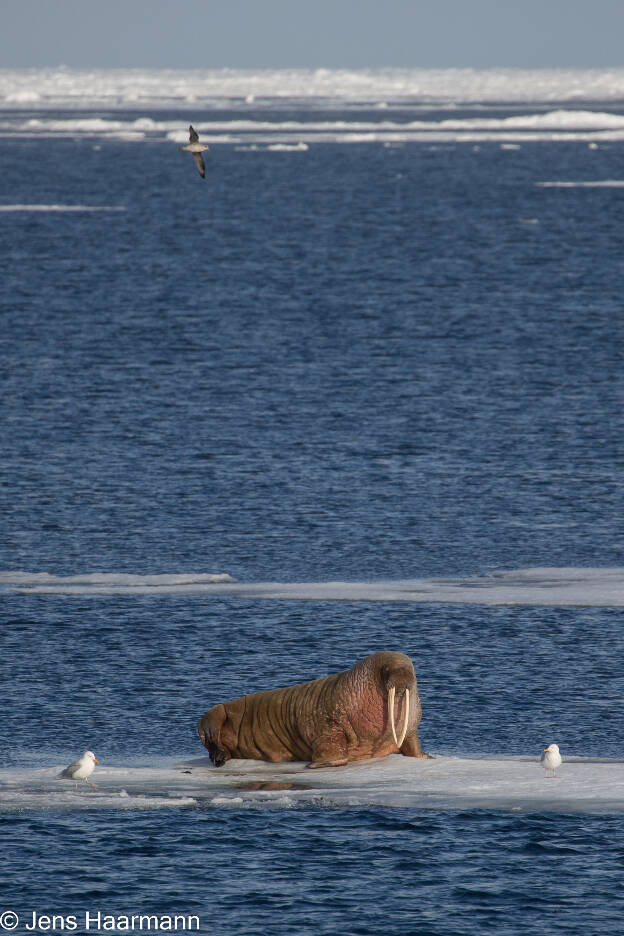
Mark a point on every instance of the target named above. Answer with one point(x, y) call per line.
point(361, 388)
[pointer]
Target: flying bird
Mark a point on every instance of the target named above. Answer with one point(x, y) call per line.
point(551, 758)
point(196, 148)
point(81, 769)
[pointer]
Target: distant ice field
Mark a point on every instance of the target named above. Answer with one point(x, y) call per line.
point(300, 108)
point(193, 88)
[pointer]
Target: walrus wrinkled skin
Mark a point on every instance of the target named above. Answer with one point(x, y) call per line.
point(370, 710)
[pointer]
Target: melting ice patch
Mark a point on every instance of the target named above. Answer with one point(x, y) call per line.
point(562, 587)
point(62, 207)
point(111, 583)
point(604, 183)
point(518, 784)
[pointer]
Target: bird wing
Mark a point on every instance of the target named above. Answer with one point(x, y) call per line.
point(193, 135)
point(69, 771)
point(199, 162)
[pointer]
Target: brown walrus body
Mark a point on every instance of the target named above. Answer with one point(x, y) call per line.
point(370, 710)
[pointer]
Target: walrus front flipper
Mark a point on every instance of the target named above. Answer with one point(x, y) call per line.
point(339, 762)
point(209, 729)
point(327, 753)
point(411, 747)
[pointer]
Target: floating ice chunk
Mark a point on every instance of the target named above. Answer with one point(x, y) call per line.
point(226, 801)
point(288, 147)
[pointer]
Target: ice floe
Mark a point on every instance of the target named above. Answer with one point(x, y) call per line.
point(517, 784)
point(28, 207)
point(542, 586)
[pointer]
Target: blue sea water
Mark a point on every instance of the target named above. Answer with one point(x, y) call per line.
point(348, 362)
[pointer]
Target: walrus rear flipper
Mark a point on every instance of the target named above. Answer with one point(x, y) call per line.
point(209, 729)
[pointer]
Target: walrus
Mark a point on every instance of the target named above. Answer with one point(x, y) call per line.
point(371, 710)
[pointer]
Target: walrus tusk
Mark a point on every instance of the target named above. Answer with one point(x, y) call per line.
point(391, 692)
point(404, 732)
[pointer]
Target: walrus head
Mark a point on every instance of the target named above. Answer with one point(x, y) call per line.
point(398, 679)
